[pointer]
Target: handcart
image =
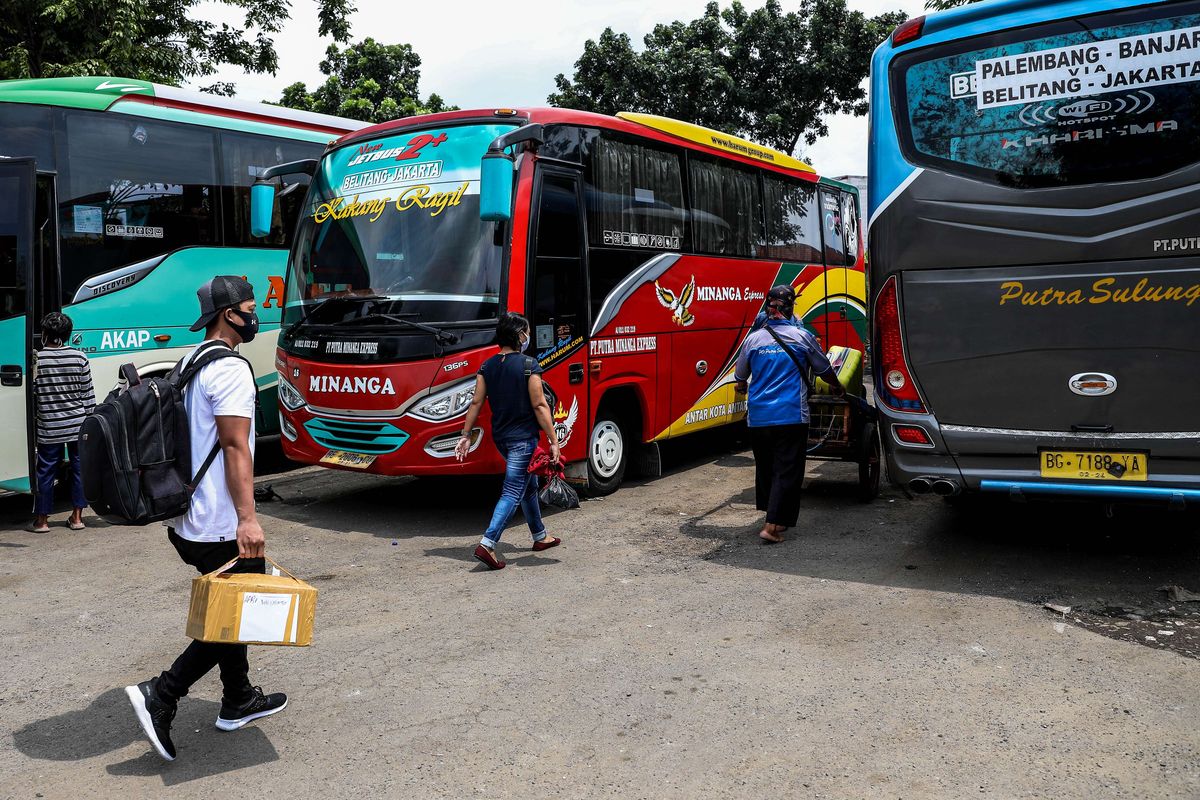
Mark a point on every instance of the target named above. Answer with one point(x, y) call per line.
point(846, 429)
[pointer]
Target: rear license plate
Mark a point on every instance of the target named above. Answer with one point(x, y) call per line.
point(342, 458)
point(1093, 465)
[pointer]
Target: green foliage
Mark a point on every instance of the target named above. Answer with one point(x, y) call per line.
point(942, 5)
point(766, 74)
point(368, 81)
point(154, 40)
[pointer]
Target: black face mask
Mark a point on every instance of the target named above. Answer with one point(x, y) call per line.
point(249, 327)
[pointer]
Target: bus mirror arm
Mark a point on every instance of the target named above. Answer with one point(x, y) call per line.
point(496, 172)
point(307, 166)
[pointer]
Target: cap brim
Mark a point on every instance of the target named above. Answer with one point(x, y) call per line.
point(202, 323)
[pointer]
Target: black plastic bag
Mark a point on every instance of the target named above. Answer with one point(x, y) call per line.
point(557, 492)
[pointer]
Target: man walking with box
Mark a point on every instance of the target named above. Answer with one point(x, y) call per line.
point(220, 523)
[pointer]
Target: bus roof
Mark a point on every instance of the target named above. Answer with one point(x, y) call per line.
point(647, 126)
point(102, 93)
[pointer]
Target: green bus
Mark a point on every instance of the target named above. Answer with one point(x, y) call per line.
point(118, 198)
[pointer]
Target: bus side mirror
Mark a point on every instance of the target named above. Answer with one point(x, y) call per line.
point(495, 187)
point(262, 208)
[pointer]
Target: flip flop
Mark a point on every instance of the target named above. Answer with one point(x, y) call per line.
point(76, 526)
point(771, 537)
point(546, 544)
point(38, 529)
point(483, 555)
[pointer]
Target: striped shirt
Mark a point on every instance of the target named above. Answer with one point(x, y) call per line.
point(63, 394)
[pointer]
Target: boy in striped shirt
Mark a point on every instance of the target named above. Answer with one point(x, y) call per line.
point(63, 396)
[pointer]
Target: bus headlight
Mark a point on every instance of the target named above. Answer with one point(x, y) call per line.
point(289, 396)
point(447, 403)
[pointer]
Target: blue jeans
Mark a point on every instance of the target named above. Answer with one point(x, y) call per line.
point(49, 456)
point(520, 489)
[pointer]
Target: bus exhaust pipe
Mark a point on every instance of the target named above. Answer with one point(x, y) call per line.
point(920, 485)
point(945, 488)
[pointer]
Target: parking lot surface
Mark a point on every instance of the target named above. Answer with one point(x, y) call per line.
point(898, 649)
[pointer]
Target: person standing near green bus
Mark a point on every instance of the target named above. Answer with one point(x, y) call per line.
point(63, 395)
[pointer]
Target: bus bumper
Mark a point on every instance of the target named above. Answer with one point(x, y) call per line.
point(963, 459)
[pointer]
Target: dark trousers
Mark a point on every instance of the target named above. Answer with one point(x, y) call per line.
point(779, 455)
point(49, 456)
point(200, 657)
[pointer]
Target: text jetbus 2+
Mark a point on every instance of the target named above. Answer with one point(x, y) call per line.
point(640, 248)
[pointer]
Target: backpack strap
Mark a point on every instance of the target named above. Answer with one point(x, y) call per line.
point(205, 354)
point(795, 358)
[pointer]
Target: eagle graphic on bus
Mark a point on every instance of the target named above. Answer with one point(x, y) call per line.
point(678, 303)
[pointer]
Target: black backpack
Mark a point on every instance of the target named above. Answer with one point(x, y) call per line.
point(135, 448)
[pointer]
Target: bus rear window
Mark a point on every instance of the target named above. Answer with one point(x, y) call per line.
point(1110, 97)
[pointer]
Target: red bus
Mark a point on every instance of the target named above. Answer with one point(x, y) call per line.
point(639, 248)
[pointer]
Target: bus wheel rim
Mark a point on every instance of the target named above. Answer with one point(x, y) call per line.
point(606, 448)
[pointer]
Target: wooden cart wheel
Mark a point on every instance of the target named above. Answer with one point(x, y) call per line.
point(869, 460)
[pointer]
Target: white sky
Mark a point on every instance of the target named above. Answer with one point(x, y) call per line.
point(483, 55)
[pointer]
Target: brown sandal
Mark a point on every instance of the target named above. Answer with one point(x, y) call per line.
point(771, 533)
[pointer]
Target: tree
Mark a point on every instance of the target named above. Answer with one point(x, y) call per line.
point(767, 74)
point(942, 5)
point(154, 40)
point(368, 81)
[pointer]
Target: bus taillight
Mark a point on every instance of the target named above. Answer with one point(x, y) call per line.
point(908, 31)
point(897, 389)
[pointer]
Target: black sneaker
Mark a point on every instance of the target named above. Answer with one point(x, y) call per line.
point(154, 715)
point(260, 705)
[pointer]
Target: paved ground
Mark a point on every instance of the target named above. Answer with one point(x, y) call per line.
point(893, 650)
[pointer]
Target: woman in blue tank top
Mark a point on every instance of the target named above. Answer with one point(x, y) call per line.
point(512, 384)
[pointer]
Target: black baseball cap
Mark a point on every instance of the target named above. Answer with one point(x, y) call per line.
point(782, 293)
point(222, 292)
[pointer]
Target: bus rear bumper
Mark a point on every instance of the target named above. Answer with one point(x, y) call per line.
point(1007, 462)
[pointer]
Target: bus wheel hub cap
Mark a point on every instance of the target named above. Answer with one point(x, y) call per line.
point(606, 448)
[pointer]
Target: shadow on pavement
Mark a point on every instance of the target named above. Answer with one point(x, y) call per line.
point(107, 724)
point(1108, 564)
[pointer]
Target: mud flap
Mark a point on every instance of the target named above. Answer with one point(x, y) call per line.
point(646, 461)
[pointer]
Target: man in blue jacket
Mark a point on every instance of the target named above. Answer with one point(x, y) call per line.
point(772, 368)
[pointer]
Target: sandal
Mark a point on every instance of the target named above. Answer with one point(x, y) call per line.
point(38, 529)
point(76, 526)
point(488, 558)
point(547, 543)
point(771, 533)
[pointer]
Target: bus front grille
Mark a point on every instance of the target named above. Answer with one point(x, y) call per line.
point(369, 438)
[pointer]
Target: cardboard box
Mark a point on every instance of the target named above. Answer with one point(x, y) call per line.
point(249, 608)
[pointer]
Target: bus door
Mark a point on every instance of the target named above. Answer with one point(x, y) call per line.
point(843, 321)
point(557, 304)
point(18, 178)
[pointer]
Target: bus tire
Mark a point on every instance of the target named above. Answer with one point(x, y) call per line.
point(607, 456)
point(870, 463)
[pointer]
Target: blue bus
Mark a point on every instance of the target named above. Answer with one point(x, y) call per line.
point(1034, 249)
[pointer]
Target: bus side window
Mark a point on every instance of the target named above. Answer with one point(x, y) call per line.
point(243, 157)
point(850, 227)
point(793, 223)
point(832, 227)
point(726, 208)
point(131, 189)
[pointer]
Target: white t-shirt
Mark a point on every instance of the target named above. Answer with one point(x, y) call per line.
point(224, 388)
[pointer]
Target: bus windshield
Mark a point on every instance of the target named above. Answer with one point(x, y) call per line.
point(397, 218)
point(1100, 98)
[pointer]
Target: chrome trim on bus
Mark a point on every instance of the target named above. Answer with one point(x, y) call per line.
point(1165, 435)
point(120, 278)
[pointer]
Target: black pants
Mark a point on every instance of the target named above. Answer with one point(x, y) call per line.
point(200, 657)
point(779, 455)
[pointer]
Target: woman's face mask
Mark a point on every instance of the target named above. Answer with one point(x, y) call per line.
point(524, 342)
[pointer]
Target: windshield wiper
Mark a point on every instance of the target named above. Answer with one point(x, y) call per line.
point(443, 336)
point(324, 302)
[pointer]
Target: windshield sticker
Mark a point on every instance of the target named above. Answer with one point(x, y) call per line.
point(1132, 62)
point(1104, 290)
point(393, 176)
point(352, 348)
point(134, 231)
point(630, 239)
point(89, 219)
point(376, 152)
point(421, 196)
